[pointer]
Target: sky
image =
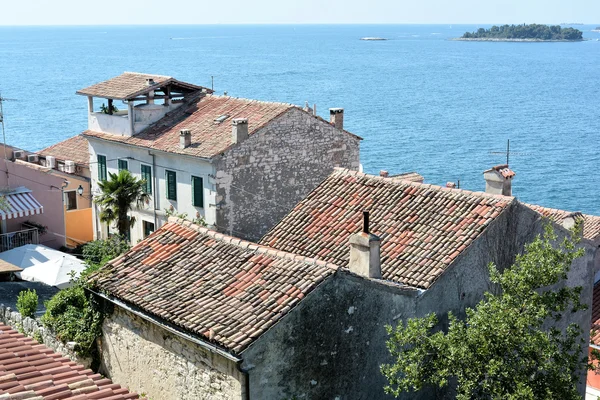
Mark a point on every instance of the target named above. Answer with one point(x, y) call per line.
point(128, 12)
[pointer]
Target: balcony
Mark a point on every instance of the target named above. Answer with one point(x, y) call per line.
point(117, 123)
point(16, 239)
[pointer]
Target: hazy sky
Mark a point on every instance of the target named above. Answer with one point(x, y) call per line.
point(85, 12)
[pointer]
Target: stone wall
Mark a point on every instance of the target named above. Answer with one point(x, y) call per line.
point(148, 359)
point(261, 179)
point(332, 344)
point(34, 328)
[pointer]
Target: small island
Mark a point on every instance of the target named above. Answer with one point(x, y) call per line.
point(597, 29)
point(525, 33)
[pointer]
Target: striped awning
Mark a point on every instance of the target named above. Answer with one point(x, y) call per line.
point(20, 204)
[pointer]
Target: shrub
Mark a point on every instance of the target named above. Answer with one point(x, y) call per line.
point(27, 303)
point(71, 315)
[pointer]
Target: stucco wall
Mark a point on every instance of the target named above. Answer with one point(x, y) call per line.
point(47, 189)
point(331, 345)
point(184, 167)
point(261, 179)
point(151, 360)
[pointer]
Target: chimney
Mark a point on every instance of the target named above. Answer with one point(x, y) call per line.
point(498, 180)
point(570, 220)
point(336, 116)
point(149, 81)
point(383, 173)
point(365, 252)
point(239, 131)
point(451, 185)
point(185, 138)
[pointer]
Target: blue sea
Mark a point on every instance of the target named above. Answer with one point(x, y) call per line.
point(420, 101)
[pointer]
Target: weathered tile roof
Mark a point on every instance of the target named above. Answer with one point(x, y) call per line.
point(595, 328)
point(591, 223)
point(131, 84)
point(29, 370)
point(75, 149)
point(209, 137)
point(222, 289)
point(423, 228)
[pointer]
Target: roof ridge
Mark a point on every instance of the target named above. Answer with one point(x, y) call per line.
point(146, 74)
point(290, 105)
point(397, 181)
point(550, 209)
point(252, 246)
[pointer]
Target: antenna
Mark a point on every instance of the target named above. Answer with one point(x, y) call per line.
point(509, 153)
point(212, 83)
point(2, 100)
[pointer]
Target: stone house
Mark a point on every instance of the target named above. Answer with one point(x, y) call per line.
point(302, 314)
point(238, 164)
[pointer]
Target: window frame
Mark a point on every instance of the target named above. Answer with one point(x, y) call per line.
point(122, 162)
point(67, 193)
point(144, 223)
point(167, 184)
point(194, 203)
point(102, 167)
point(148, 188)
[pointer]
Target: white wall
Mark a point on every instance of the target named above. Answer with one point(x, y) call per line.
point(184, 167)
point(117, 124)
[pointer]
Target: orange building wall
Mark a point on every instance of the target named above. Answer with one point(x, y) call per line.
point(79, 226)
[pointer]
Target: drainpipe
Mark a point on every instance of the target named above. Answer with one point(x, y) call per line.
point(155, 197)
point(62, 193)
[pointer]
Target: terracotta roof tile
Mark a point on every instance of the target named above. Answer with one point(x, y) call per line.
point(29, 370)
point(131, 84)
point(423, 228)
point(211, 285)
point(591, 223)
point(75, 149)
point(209, 137)
point(503, 170)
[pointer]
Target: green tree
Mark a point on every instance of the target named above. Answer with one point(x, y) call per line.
point(120, 194)
point(504, 348)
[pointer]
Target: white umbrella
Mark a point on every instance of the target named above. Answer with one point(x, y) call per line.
point(56, 272)
point(30, 255)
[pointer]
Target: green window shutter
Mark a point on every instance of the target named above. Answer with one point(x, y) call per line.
point(123, 165)
point(147, 176)
point(197, 192)
point(101, 167)
point(171, 185)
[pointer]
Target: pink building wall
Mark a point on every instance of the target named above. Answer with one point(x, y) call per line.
point(47, 189)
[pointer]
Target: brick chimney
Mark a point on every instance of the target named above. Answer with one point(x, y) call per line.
point(185, 138)
point(336, 116)
point(383, 173)
point(498, 180)
point(365, 257)
point(239, 131)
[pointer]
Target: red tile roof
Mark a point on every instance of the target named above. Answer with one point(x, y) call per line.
point(222, 289)
point(423, 228)
point(29, 370)
point(591, 223)
point(209, 137)
point(199, 114)
point(74, 149)
point(595, 328)
point(131, 84)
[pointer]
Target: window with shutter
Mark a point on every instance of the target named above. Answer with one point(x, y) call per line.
point(147, 176)
point(197, 192)
point(123, 165)
point(171, 185)
point(101, 167)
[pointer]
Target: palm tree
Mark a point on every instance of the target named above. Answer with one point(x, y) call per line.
point(120, 194)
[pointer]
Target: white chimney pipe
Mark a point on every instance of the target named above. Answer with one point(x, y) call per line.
point(239, 130)
point(185, 138)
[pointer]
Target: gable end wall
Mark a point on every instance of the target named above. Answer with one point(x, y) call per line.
point(262, 178)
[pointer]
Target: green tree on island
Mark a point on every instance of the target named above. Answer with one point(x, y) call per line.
point(533, 31)
point(503, 350)
point(120, 194)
